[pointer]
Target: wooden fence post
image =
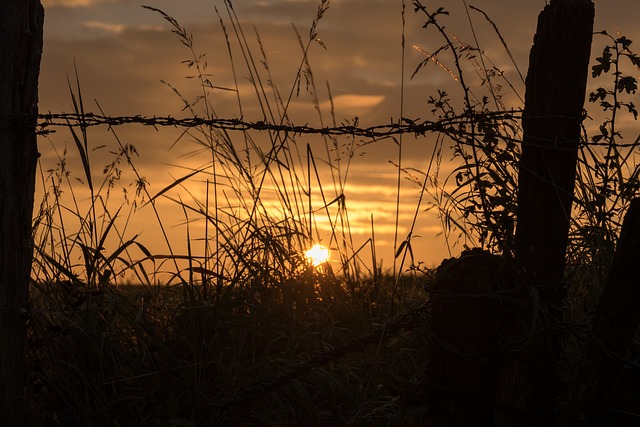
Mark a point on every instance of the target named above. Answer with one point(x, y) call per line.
point(21, 27)
point(612, 328)
point(553, 112)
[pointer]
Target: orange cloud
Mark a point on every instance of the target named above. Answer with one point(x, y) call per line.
point(118, 28)
point(354, 103)
point(70, 3)
point(103, 26)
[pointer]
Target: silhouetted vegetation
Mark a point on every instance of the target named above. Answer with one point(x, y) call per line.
point(239, 328)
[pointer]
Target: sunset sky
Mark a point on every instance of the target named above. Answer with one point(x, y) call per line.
point(123, 52)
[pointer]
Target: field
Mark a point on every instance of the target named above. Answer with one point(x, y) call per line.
point(233, 325)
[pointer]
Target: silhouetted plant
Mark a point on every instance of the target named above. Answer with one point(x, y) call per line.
point(608, 168)
point(206, 323)
point(478, 199)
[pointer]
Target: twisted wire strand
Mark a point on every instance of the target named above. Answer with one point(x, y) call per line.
point(453, 126)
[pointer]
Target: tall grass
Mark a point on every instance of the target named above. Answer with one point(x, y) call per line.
point(121, 335)
point(241, 305)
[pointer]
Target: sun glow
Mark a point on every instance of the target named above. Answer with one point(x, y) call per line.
point(318, 255)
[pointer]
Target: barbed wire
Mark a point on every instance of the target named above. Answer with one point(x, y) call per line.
point(403, 126)
point(453, 126)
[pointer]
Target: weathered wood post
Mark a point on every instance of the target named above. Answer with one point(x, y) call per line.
point(613, 326)
point(553, 112)
point(21, 27)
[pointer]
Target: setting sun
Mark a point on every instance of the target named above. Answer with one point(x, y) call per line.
point(318, 254)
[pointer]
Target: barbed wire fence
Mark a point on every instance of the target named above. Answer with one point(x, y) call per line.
point(464, 130)
point(405, 126)
point(409, 319)
point(48, 122)
point(453, 125)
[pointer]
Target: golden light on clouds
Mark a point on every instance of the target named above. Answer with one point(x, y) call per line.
point(354, 103)
point(71, 3)
point(103, 26)
point(117, 29)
